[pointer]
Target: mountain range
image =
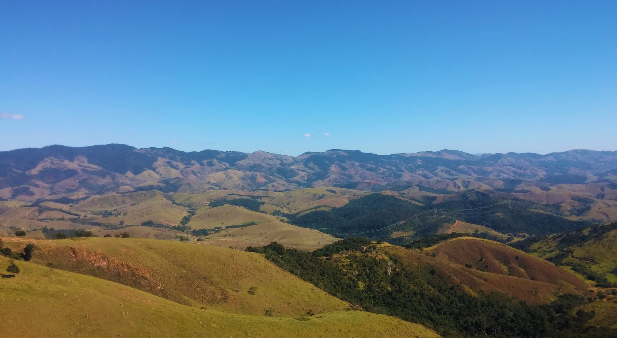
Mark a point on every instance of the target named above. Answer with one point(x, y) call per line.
point(33, 173)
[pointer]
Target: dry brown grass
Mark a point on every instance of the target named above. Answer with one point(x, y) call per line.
point(493, 267)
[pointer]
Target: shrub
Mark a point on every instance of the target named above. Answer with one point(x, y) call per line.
point(20, 233)
point(125, 235)
point(252, 290)
point(6, 252)
point(107, 235)
point(269, 312)
point(83, 233)
point(13, 268)
point(60, 235)
point(27, 255)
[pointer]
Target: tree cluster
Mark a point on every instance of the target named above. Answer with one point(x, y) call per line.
point(422, 295)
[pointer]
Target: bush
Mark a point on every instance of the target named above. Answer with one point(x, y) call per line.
point(83, 233)
point(20, 233)
point(27, 255)
point(60, 235)
point(13, 268)
point(107, 235)
point(125, 235)
point(252, 290)
point(6, 252)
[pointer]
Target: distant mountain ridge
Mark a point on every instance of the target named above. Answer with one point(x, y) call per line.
point(62, 171)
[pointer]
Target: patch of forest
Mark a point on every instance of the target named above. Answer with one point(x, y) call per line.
point(422, 295)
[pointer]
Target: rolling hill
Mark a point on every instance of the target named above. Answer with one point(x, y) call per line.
point(460, 287)
point(385, 216)
point(194, 275)
point(67, 304)
point(590, 252)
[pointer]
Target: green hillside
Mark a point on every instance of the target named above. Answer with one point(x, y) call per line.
point(590, 252)
point(457, 300)
point(380, 216)
point(190, 274)
point(46, 302)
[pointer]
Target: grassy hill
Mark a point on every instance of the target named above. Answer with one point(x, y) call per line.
point(490, 266)
point(46, 302)
point(382, 216)
point(475, 296)
point(226, 215)
point(195, 275)
point(360, 216)
point(133, 208)
point(264, 233)
point(468, 228)
point(590, 252)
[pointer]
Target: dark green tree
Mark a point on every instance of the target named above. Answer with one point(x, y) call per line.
point(27, 255)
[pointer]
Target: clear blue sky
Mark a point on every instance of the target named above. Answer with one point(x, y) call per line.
point(377, 76)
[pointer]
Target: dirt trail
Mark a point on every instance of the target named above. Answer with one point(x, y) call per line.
point(453, 226)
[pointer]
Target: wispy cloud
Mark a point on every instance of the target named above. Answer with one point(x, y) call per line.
point(11, 116)
point(326, 134)
point(307, 135)
point(174, 141)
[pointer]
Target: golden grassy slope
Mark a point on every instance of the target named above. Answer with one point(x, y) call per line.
point(289, 235)
point(287, 201)
point(269, 229)
point(302, 199)
point(45, 302)
point(493, 267)
point(194, 275)
point(139, 207)
point(468, 228)
point(208, 218)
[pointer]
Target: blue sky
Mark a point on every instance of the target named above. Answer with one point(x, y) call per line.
point(377, 76)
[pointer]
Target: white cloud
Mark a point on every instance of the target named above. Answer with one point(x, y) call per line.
point(307, 135)
point(174, 141)
point(326, 134)
point(11, 116)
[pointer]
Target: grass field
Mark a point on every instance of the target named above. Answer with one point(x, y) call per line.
point(46, 302)
point(133, 208)
point(289, 235)
point(195, 275)
point(226, 215)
